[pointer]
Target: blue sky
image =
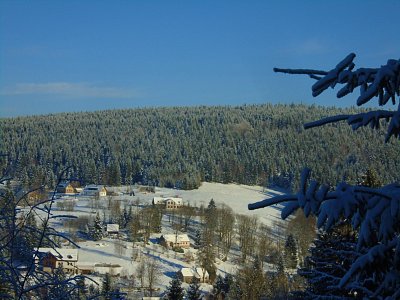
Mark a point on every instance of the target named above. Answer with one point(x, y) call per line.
point(58, 56)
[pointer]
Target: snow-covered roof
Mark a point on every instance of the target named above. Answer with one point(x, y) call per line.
point(158, 200)
point(94, 187)
point(199, 271)
point(187, 272)
point(61, 254)
point(179, 239)
point(63, 184)
point(112, 227)
point(196, 272)
point(162, 200)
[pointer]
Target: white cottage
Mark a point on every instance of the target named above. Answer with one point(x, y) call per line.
point(175, 241)
point(112, 229)
point(169, 203)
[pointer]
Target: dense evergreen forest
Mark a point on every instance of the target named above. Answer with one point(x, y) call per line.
point(182, 146)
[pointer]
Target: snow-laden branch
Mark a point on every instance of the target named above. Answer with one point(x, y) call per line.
point(374, 213)
point(382, 82)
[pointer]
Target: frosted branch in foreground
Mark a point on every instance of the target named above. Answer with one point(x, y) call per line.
point(383, 83)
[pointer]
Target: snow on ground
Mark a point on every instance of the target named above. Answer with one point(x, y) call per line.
point(234, 195)
point(104, 251)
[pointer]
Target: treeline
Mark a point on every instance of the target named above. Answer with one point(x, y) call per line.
point(183, 146)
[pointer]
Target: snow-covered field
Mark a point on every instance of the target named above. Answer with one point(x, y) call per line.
point(104, 251)
point(234, 195)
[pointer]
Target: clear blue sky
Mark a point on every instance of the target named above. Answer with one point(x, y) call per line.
point(60, 56)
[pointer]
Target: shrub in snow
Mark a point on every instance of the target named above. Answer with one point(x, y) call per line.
point(373, 212)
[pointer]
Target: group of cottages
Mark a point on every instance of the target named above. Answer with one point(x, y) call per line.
point(169, 203)
point(50, 259)
point(175, 241)
point(90, 190)
point(189, 274)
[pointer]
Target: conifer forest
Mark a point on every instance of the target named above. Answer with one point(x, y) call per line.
point(182, 146)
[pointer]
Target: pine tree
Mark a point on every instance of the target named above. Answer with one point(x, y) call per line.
point(218, 288)
point(290, 252)
point(96, 231)
point(330, 258)
point(193, 292)
point(228, 280)
point(60, 290)
point(197, 238)
point(251, 280)
point(82, 290)
point(371, 179)
point(106, 289)
point(175, 290)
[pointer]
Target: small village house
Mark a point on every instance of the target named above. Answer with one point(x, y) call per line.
point(50, 259)
point(95, 190)
point(66, 188)
point(169, 203)
point(175, 241)
point(112, 269)
point(85, 268)
point(112, 229)
point(188, 274)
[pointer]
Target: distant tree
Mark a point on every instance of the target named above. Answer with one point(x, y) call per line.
point(225, 228)
point(371, 179)
point(197, 238)
point(303, 230)
point(193, 292)
point(141, 272)
point(153, 273)
point(175, 290)
point(107, 287)
point(264, 243)
point(206, 258)
point(188, 213)
point(290, 252)
point(330, 258)
point(135, 226)
point(218, 288)
point(82, 292)
point(247, 228)
point(96, 230)
point(228, 281)
point(251, 280)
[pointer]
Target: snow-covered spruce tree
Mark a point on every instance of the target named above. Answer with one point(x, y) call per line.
point(330, 258)
point(373, 212)
point(107, 287)
point(175, 290)
point(332, 255)
point(197, 238)
point(96, 231)
point(218, 288)
point(193, 292)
